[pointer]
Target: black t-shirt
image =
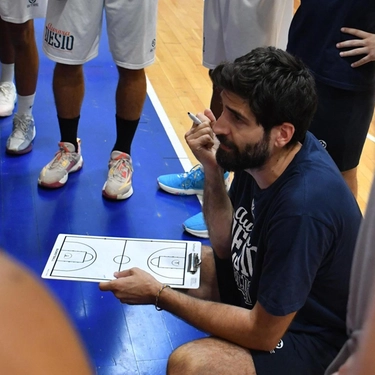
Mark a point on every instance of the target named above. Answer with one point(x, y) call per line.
point(314, 32)
point(292, 243)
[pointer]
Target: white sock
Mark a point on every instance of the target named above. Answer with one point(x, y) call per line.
point(25, 104)
point(7, 73)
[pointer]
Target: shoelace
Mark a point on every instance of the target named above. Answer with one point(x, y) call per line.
point(60, 157)
point(121, 168)
point(21, 127)
point(195, 174)
point(21, 124)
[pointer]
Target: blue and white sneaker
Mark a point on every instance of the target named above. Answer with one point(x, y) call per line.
point(196, 226)
point(21, 139)
point(188, 183)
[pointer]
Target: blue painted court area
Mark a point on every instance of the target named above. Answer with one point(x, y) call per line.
point(120, 339)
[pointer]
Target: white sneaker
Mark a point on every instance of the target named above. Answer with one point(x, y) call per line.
point(21, 138)
point(8, 98)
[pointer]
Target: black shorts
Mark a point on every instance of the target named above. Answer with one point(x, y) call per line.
point(342, 121)
point(296, 354)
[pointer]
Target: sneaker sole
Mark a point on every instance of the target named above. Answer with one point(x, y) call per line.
point(175, 191)
point(118, 197)
point(63, 181)
point(196, 233)
point(20, 152)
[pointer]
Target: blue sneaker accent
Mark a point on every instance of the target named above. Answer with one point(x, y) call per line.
point(188, 183)
point(196, 226)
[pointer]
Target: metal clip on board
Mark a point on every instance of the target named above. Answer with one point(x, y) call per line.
point(193, 262)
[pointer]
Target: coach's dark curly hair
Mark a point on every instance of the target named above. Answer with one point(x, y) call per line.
point(277, 86)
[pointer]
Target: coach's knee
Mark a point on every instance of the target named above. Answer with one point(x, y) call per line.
point(184, 360)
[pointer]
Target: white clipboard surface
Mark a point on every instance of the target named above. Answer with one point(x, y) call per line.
point(95, 259)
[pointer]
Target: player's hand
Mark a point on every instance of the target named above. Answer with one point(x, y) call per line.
point(202, 140)
point(363, 45)
point(133, 286)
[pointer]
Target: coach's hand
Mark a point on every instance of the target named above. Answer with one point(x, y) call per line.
point(133, 286)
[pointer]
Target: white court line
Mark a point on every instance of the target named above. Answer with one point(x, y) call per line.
point(371, 137)
point(180, 152)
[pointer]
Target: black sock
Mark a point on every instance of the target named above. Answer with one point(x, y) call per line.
point(125, 130)
point(68, 130)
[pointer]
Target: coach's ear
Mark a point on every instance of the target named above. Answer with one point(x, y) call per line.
point(284, 134)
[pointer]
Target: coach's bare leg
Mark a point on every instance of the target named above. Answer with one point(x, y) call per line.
point(208, 289)
point(210, 356)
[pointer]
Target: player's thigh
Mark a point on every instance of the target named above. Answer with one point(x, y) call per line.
point(213, 39)
point(131, 29)
point(210, 356)
point(20, 11)
point(342, 121)
point(233, 28)
point(72, 30)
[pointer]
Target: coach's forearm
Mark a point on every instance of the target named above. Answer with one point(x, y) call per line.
point(218, 212)
point(235, 324)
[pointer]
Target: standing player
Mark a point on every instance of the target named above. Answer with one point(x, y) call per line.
point(18, 17)
point(72, 34)
point(336, 40)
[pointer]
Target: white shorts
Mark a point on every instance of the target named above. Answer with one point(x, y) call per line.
point(21, 11)
point(232, 28)
point(73, 29)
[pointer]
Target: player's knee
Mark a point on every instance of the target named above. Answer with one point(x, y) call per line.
point(350, 173)
point(22, 34)
point(350, 176)
point(131, 74)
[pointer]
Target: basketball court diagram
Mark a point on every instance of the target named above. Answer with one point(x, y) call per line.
point(93, 258)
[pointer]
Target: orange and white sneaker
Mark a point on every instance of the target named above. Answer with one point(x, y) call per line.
point(66, 160)
point(119, 182)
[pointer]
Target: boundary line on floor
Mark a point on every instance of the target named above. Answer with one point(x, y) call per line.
point(171, 133)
